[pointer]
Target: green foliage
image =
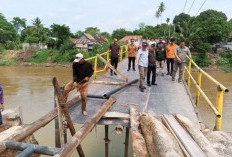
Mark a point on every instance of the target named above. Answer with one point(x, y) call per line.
point(201, 60)
point(32, 39)
point(19, 23)
point(206, 15)
point(94, 31)
point(180, 19)
point(67, 56)
point(10, 45)
point(202, 47)
point(120, 33)
point(226, 61)
point(67, 45)
point(8, 62)
point(41, 56)
point(7, 31)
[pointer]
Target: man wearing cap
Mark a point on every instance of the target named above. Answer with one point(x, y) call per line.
point(181, 53)
point(131, 51)
point(82, 71)
point(114, 54)
point(170, 55)
point(142, 61)
point(1, 101)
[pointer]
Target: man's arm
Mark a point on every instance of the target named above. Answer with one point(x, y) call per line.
point(2, 101)
point(74, 74)
point(177, 57)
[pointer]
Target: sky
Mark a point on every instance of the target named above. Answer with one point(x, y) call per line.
point(107, 15)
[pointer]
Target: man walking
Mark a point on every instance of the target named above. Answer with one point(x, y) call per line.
point(160, 58)
point(181, 53)
point(82, 71)
point(170, 55)
point(131, 51)
point(114, 54)
point(1, 101)
point(151, 65)
point(142, 61)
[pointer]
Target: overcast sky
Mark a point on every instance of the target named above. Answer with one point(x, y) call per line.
point(104, 14)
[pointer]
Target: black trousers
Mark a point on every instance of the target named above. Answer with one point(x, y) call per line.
point(151, 69)
point(114, 62)
point(131, 59)
point(170, 61)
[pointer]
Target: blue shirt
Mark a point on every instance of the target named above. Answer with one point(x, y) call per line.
point(143, 57)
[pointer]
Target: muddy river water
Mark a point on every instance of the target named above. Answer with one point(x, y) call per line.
point(30, 88)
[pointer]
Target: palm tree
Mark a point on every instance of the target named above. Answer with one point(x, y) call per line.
point(37, 24)
point(157, 15)
point(161, 9)
point(168, 20)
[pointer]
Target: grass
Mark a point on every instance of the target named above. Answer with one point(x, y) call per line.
point(41, 56)
point(226, 62)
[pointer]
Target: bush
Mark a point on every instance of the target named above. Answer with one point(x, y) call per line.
point(41, 56)
point(67, 56)
point(226, 62)
point(202, 47)
point(68, 45)
point(31, 39)
point(201, 60)
point(10, 45)
point(8, 62)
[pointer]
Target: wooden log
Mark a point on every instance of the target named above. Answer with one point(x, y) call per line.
point(111, 83)
point(61, 104)
point(159, 140)
point(41, 122)
point(107, 141)
point(189, 144)
point(126, 142)
point(116, 115)
point(197, 135)
point(85, 129)
point(124, 78)
point(138, 142)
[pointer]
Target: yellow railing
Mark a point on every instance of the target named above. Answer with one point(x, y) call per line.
point(220, 91)
point(95, 60)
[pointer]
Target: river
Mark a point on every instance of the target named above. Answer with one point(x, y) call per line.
point(30, 88)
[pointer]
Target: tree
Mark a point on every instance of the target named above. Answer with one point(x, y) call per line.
point(61, 32)
point(7, 31)
point(94, 31)
point(161, 9)
point(168, 20)
point(107, 35)
point(157, 15)
point(142, 26)
point(205, 15)
point(120, 33)
point(78, 34)
point(37, 23)
point(19, 24)
point(180, 19)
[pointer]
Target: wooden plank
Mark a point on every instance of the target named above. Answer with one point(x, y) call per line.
point(116, 115)
point(85, 129)
point(190, 145)
point(124, 78)
point(111, 83)
point(138, 142)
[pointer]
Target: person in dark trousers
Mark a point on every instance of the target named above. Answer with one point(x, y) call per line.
point(131, 51)
point(1, 101)
point(114, 54)
point(170, 55)
point(160, 58)
point(151, 66)
point(82, 71)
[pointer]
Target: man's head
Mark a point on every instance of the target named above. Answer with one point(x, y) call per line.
point(152, 48)
point(115, 40)
point(132, 41)
point(182, 43)
point(172, 41)
point(144, 45)
point(79, 58)
point(160, 44)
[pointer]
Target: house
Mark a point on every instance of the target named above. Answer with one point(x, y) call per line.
point(85, 42)
point(126, 39)
point(102, 39)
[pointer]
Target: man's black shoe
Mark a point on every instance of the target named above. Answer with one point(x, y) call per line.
point(115, 74)
point(168, 73)
point(154, 84)
point(141, 89)
point(128, 69)
point(111, 74)
point(149, 84)
point(134, 69)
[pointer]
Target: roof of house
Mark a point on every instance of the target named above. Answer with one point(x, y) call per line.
point(128, 37)
point(80, 41)
point(102, 39)
point(89, 36)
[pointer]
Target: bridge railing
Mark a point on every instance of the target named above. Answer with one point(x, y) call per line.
point(221, 89)
point(122, 54)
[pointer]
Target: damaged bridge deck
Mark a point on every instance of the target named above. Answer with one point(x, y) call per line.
point(166, 98)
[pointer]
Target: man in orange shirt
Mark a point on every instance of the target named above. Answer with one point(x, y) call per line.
point(170, 55)
point(132, 51)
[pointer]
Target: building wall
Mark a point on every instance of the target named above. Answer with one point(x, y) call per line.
point(83, 37)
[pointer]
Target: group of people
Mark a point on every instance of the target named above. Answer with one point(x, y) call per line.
point(149, 56)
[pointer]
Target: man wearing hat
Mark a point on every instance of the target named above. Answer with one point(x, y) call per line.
point(142, 61)
point(82, 71)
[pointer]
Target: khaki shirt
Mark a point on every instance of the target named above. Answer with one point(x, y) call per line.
point(182, 52)
point(132, 50)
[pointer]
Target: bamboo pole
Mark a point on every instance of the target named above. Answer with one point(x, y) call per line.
point(111, 67)
point(106, 141)
point(85, 129)
point(126, 142)
point(138, 142)
point(57, 130)
point(61, 104)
